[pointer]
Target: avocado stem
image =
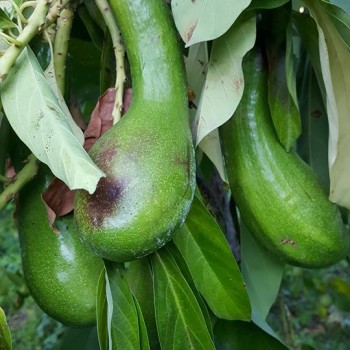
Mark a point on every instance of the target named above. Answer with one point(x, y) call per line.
point(119, 53)
point(151, 65)
point(26, 174)
point(60, 47)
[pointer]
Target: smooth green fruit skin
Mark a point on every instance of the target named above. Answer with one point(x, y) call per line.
point(279, 197)
point(60, 271)
point(148, 156)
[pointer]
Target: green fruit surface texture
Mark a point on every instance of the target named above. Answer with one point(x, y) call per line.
point(279, 197)
point(61, 272)
point(148, 156)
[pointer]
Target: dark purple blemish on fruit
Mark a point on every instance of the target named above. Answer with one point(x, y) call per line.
point(104, 201)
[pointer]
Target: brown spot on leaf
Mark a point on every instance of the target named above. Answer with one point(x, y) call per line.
point(237, 83)
point(190, 31)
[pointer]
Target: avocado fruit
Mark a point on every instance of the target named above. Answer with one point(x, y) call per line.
point(60, 271)
point(279, 197)
point(148, 156)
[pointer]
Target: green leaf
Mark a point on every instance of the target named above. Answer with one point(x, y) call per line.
point(212, 264)
point(144, 341)
point(340, 20)
point(141, 283)
point(5, 21)
point(180, 322)
point(122, 315)
point(284, 110)
point(262, 273)
point(203, 20)
point(181, 263)
point(335, 64)
point(5, 334)
point(344, 4)
point(38, 119)
point(101, 312)
point(224, 83)
point(307, 30)
point(313, 143)
point(232, 335)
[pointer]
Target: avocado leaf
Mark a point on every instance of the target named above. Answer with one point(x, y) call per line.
point(212, 264)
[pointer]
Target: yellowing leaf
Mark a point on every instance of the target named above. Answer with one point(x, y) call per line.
point(335, 64)
point(204, 20)
point(37, 116)
point(224, 83)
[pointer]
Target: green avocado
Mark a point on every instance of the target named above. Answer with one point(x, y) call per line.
point(148, 156)
point(60, 271)
point(279, 197)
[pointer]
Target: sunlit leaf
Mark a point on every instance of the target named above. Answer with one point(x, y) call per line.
point(39, 120)
point(262, 274)
point(224, 83)
point(335, 63)
point(232, 335)
point(5, 334)
point(180, 322)
point(212, 264)
point(204, 20)
point(122, 316)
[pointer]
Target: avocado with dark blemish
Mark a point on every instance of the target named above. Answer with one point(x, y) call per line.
point(60, 271)
point(148, 156)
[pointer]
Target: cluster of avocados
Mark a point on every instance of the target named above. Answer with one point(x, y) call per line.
point(149, 161)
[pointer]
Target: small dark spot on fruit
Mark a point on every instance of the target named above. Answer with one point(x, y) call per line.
point(288, 241)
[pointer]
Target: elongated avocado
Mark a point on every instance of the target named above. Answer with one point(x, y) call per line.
point(279, 197)
point(61, 272)
point(148, 156)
